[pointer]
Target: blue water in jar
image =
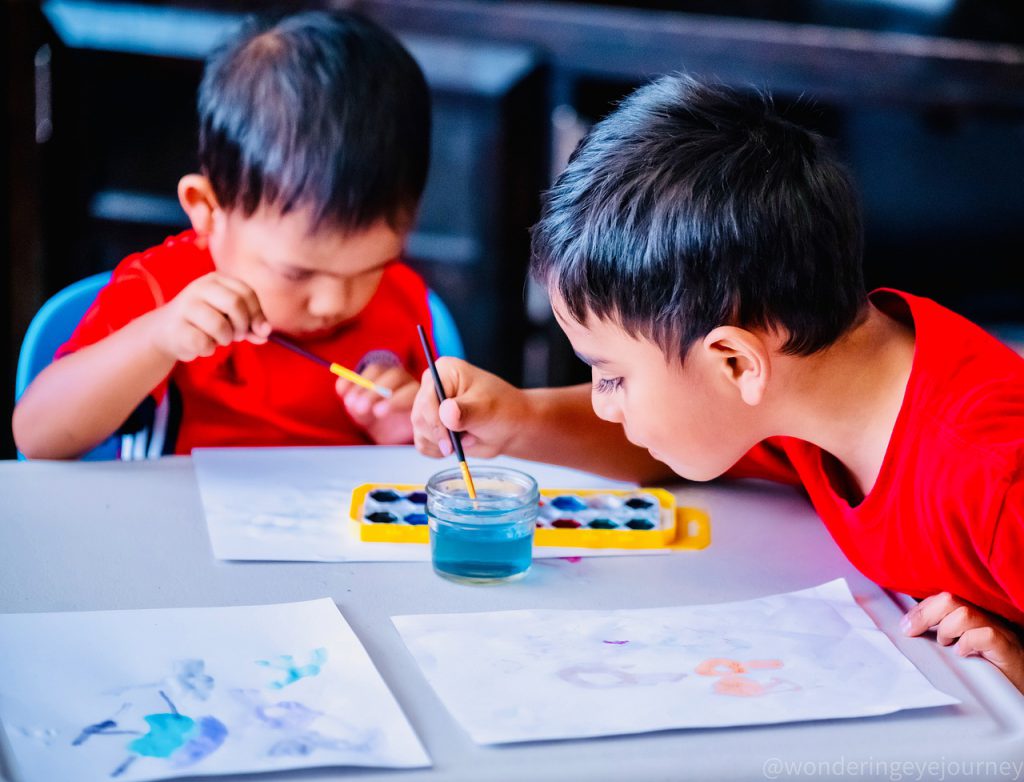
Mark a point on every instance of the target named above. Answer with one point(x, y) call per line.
point(489, 539)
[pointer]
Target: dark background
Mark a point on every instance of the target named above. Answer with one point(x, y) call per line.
point(924, 98)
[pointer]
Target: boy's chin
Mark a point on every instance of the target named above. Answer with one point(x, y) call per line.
point(310, 335)
point(687, 471)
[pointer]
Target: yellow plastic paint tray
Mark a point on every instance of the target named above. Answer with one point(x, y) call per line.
point(589, 518)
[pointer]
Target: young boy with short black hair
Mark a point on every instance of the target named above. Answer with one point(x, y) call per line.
point(703, 255)
point(313, 151)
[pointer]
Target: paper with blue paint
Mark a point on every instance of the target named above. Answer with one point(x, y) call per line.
point(140, 695)
point(292, 504)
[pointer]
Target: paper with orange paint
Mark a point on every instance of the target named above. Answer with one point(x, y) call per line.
point(538, 675)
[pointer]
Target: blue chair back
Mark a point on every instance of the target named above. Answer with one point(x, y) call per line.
point(56, 320)
point(50, 328)
point(447, 341)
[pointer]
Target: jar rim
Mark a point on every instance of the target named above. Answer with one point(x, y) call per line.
point(526, 483)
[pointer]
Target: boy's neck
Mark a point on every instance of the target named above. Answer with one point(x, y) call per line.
point(846, 399)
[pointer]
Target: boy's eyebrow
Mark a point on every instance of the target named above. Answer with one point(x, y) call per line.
point(590, 362)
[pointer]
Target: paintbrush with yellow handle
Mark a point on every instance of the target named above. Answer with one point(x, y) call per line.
point(337, 369)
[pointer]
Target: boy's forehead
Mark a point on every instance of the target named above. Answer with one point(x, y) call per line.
point(293, 239)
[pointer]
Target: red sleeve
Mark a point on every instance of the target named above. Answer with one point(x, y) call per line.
point(768, 460)
point(122, 300)
point(131, 292)
point(1006, 560)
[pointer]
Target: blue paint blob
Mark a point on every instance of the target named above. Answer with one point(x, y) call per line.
point(417, 497)
point(569, 503)
point(384, 495)
point(637, 503)
point(212, 733)
point(382, 517)
point(417, 519)
point(640, 524)
point(602, 524)
point(167, 732)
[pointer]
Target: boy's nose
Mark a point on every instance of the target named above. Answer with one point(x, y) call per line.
point(329, 299)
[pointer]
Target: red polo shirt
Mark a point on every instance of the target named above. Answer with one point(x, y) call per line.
point(947, 510)
point(253, 395)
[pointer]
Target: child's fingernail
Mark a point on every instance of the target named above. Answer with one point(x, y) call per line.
point(445, 447)
point(380, 409)
point(905, 623)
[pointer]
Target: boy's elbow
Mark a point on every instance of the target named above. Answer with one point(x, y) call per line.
point(26, 444)
point(28, 438)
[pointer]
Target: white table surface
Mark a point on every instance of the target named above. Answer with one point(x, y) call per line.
point(109, 535)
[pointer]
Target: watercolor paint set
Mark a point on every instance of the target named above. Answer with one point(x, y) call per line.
point(589, 518)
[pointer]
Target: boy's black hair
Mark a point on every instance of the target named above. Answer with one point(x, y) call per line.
point(321, 110)
point(693, 206)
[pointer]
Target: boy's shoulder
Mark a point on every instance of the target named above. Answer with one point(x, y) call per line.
point(966, 385)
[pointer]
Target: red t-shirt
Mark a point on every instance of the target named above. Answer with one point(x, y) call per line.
point(947, 510)
point(254, 395)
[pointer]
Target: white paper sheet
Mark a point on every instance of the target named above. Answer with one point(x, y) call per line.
point(138, 695)
point(536, 675)
point(292, 504)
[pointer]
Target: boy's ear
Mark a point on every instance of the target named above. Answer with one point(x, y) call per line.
point(196, 196)
point(743, 358)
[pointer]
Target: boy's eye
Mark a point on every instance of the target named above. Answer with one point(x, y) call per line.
point(605, 385)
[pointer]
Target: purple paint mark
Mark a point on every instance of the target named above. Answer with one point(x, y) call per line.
point(617, 643)
point(574, 560)
point(285, 715)
point(306, 743)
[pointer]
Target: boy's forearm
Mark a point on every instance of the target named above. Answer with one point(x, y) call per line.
point(562, 428)
point(81, 399)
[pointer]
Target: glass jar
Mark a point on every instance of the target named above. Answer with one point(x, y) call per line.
point(487, 539)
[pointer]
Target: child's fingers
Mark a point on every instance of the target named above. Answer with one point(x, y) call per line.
point(211, 321)
point(403, 395)
point(928, 613)
point(1001, 647)
point(428, 431)
point(257, 321)
point(359, 402)
point(985, 641)
point(956, 623)
point(231, 305)
point(194, 344)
